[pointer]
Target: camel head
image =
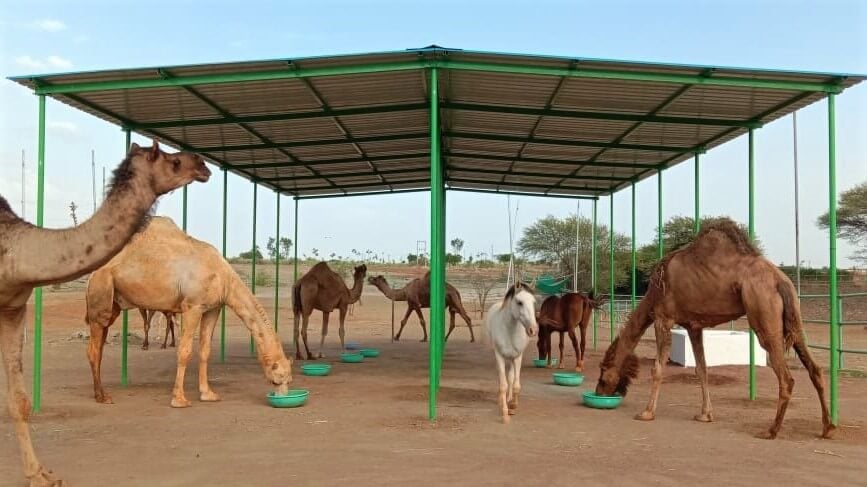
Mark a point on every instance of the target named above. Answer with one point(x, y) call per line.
point(617, 370)
point(521, 305)
point(165, 171)
point(378, 281)
point(280, 374)
point(360, 271)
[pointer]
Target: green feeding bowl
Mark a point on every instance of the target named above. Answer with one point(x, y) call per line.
point(369, 352)
point(570, 379)
point(351, 358)
point(601, 402)
point(316, 369)
point(292, 399)
point(541, 362)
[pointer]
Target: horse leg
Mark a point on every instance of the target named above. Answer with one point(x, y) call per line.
point(663, 347)
point(582, 325)
point(146, 317)
point(696, 338)
point(95, 346)
point(325, 315)
point(191, 318)
point(574, 340)
point(501, 396)
point(403, 322)
point(516, 384)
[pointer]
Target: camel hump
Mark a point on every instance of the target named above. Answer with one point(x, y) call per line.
point(731, 231)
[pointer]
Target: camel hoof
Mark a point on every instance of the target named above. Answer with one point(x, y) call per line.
point(44, 478)
point(645, 416)
point(512, 412)
point(298, 356)
point(163, 347)
point(180, 403)
point(397, 339)
point(828, 431)
point(703, 418)
point(209, 396)
point(423, 340)
point(104, 399)
point(767, 435)
point(506, 419)
point(472, 340)
point(144, 346)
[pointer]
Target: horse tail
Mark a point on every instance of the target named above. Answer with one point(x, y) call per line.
point(596, 302)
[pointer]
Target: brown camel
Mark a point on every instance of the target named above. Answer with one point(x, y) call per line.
point(719, 277)
point(563, 314)
point(163, 268)
point(323, 289)
point(416, 293)
point(147, 315)
point(31, 257)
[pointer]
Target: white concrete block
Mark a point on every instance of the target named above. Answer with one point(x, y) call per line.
point(721, 347)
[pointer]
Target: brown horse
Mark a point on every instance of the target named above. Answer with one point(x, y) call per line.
point(563, 314)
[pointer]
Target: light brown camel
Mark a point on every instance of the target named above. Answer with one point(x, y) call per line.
point(717, 278)
point(147, 315)
point(416, 293)
point(31, 257)
point(164, 268)
point(323, 289)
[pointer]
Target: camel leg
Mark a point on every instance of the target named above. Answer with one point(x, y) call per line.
point(515, 384)
point(170, 327)
point(468, 321)
point(95, 346)
point(147, 327)
point(341, 331)
point(325, 316)
point(11, 340)
point(296, 336)
point(663, 347)
point(422, 323)
point(206, 331)
point(818, 382)
point(403, 323)
point(696, 338)
point(190, 318)
point(451, 323)
point(305, 321)
point(501, 396)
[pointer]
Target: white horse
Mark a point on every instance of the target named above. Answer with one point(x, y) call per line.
point(509, 325)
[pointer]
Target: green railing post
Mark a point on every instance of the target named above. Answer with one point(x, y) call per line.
point(124, 340)
point(437, 285)
point(253, 271)
point(841, 319)
point(184, 210)
point(37, 309)
point(660, 245)
point(696, 224)
point(277, 269)
point(752, 232)
point(611, 270)
point(223, 314)
point(594, 273)
point(832, 257)
point(295, 259)
point(632, 278)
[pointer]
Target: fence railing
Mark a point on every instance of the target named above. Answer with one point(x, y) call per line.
point(841, 350)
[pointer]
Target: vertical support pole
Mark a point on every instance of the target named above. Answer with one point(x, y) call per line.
point(632, 278)
point(797, 206)
point(277, 269)
point(124, 332)
point(223, 314)
point(253, 271)
point(594, 273)
point(437, 284)
point(611, 269)
point(660, 245)
point(295, 261)
point(696, 223)
point(184, 210)
point(37, 310)
point(752, 233)
point(840, 319)
point(832, 256)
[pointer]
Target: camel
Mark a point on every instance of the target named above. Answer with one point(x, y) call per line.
point(164, 268)
point(416, 293)
point(719, 277)
point(563, 314)
point(32, 257)
point(323, 289)
point(509, 326)
point(147, 315)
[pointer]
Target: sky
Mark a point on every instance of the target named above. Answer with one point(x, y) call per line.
point(62, 36)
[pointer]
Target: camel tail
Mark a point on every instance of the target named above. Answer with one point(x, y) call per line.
point(296, 301)
point(793, 328)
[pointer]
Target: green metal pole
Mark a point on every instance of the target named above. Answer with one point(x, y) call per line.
point(832, 257)
point(752, 232)
point(223, 314)
point(696, 223)
point(184, 216)
point(594, 273)
point(253, 272)
point(277, 270)
point(633, 264)
point(37, 311)
point(124, 340)
point(295, 260)
point(660, 245)
point(611, 270)
point(437, 285)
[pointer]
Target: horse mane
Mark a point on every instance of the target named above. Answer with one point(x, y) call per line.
point(514, 289)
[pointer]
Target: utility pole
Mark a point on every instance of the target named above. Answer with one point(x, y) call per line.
point(93, 177)
point(22, 184)
point(103, 183)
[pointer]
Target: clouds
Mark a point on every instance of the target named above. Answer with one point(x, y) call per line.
point(52, 61)
point(67, 127)
point(49, 25)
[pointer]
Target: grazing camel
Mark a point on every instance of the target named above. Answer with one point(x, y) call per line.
point(509, 326)
point(416, 293)
point(563, 314)
point(32, 257)
point(719, 277)
point(323, 289)
point(164, 268)
point(147, 315)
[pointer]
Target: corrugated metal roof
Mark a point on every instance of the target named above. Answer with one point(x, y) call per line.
point(510, 122)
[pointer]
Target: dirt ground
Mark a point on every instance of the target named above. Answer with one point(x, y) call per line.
point(366, 423)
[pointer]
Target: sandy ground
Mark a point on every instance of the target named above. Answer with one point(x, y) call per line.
point(366, 423)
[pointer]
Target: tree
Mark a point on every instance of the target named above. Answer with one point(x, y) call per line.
point(285, 246)
point(453, 259)
point(504, 258)
point(249, 255)
point(851, 219)
point(457, 245)
point(482, 283)
point(411, 259)
point(271, 248)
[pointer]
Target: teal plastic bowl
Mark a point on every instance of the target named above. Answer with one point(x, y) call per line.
point(570, 379)
point(369, 352)
point(541, 362)
point(316, 369)
point(601, 402)
point(292, 399)
point(351, 358)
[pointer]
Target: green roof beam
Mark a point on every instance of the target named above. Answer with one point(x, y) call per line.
point(519, 193)
point(565, 142)
point(311, 143)
point(564, 162)
point(343, 160)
